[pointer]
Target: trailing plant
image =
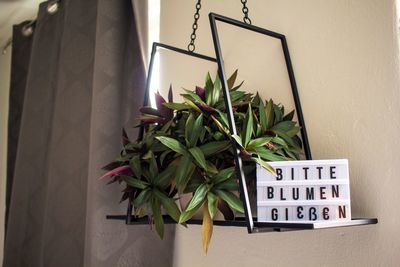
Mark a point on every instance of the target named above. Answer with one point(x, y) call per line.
point(187, 148)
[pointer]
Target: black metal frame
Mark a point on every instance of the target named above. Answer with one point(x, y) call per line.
point(221, 71)
point(253, 226)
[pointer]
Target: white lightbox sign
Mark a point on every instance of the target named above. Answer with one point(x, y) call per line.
point(306, 191)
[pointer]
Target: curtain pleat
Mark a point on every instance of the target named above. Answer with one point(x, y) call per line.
point(22, 43)
point(85, 82)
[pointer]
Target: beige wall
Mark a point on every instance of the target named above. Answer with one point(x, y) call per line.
point(345, 57)
point(4, 85)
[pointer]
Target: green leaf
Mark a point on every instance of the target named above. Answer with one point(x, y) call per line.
point(237, 87)
point(289, 116)
point(189, 128)
point(209, 89)
point(158, 219)
point(153, 168)
point(229, 185)
point(196, 131)
point(232, 79)
point(176, 106)
point(193, 96)
point(259, 142)
point(212, 203)
point(173, 144)
point(142, 198)
point(212, 148)
point(269, 113)
point(216, 91)
point(263, 116)
point(184, 170)
point(265, 165)
point(192, 105)
point(186, 215)
point(169, 204)
point(198, 156)
point(223, 175)
point(233, 201)
point(165, 177)
point(278, 114)
point(211, 168)
point(134, 163)
point(249, 126)
point(198, 197)
point(267, 154)
point(135, 182)
point(238, 139)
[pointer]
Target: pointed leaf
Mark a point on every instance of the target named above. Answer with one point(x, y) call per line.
point(212, 203)
point(258, 142)
point(224, 174)
point(223, 207)
point(169, 204)
point(176, 106)
point(206, 228)
point(134, 182)
point(187, 215)
point(196, 131)
point(198, 197)
point(158, 219)
point(233, 201)
point(269, 112)
point(232, 79)
point(263, 116)
point(134, 163)
point(189, 129)
point(209, 88)
point(198, 156)
point(265, 165)
point(249, 127)
point(212, 148)
point(238, 139)
point(184, 171)
point(142, 198)
point(123, 170)
point(173, 144)
point(289, 116)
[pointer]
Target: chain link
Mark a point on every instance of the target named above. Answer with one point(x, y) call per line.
point(245, 11)
point(191, 47)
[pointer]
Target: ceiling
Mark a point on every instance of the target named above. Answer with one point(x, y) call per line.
point(13, 12)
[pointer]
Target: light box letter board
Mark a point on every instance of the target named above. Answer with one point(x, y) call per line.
point(306, 191)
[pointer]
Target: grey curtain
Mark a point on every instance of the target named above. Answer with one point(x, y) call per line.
point(84, 83)
point(21, 56)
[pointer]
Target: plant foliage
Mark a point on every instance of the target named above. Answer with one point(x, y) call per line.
point(188, 148)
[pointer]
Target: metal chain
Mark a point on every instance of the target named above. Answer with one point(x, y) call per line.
point(245, 10)
point(191, 47)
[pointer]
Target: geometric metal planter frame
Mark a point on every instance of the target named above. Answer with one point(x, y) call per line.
point(249, 221)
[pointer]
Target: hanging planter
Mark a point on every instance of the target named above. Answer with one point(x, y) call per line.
point(208, 146)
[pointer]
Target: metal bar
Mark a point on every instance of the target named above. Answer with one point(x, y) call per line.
point(259, 227)
point(155, 46)
point(246, 26)
point(228, 105)
point(182, 51)
point(299, 111)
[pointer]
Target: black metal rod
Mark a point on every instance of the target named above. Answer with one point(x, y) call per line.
point(228, 105)
point(289, 66)
point(299, 111)
point(154, 50)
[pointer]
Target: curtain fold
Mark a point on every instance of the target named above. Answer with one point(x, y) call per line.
point(85, 82)
point(21, 53)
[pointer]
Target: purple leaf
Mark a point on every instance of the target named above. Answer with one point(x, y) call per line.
point(150, 111)
point(123, 170)
point(201, 93)
point(207, 108)
point(164, 111)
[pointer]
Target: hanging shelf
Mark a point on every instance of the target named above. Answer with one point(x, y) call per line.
point(249, 221)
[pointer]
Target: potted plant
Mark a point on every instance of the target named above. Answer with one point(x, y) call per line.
point(187, 148)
